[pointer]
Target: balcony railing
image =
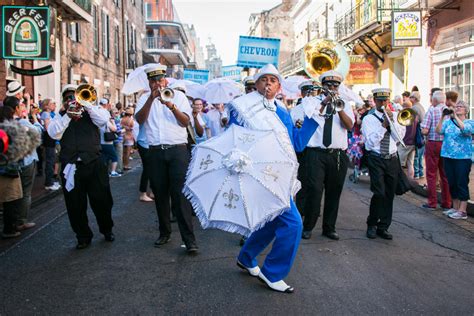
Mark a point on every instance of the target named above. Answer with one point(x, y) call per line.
point(165, 42)
point(293, 64)
point(365, 13)
point(86, 5)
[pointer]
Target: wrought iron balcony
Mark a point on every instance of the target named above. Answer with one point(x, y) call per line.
point(86, 5)
point(364, 14)
point(173, 47)
point(292, 65)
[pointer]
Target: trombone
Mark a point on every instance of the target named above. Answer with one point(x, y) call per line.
point(405, 117)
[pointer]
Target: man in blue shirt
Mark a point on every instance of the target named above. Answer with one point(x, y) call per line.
point(285, 230)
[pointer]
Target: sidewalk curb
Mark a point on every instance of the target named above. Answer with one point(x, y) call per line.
point(420, 190)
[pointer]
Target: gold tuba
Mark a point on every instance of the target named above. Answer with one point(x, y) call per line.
point(86, 92)
point(406, 117)
point(322, 55)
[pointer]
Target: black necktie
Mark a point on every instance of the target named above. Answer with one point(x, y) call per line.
point(327, 132)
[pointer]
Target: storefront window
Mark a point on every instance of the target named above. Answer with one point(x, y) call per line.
point(459, 78)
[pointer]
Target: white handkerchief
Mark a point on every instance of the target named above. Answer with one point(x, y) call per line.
point(69, 172)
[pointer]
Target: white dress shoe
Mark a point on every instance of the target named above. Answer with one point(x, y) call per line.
point(279, 286)
point(255, 271)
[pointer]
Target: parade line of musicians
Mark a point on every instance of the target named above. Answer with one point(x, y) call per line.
point(168, 128)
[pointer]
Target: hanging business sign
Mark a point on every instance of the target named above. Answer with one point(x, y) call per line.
point(32, 72)
point(25, 32)
point(196, 75)
point(232, 72)
point(256, 52)
point(406, 28)
point(361, 71)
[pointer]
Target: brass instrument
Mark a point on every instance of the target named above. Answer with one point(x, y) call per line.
point(167, 94)
point(84, 93)
point(322, 55)
point(405, 117)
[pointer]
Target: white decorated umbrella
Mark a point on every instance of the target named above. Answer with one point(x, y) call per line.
point(290, 87)
point(137, 80)
point(221, 90)
point(240, 180)
point(193, 89)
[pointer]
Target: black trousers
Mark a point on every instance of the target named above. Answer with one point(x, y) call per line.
point(301, 194)
point(143, 152)
point(90, 181)
point(326, 172)
point(167, 175)
point(383, 182)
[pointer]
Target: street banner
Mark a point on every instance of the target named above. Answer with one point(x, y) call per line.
point(361, 71)
point(256, 52)
point(25, 32)
point(406, 28)
point(32, 72)
point(196, 75)
point(232, 72)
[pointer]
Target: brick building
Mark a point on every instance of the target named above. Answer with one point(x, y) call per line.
point(96, 41)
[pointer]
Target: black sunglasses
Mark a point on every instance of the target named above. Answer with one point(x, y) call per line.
point(332, 84)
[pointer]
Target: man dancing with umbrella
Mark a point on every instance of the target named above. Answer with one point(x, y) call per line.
point(259, 110)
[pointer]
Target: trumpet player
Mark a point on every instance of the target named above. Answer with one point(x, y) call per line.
point(83, 173)
point(325, 159)
point(382, 160)
point(165, 116)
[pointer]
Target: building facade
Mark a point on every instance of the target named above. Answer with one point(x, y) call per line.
point(96, 42)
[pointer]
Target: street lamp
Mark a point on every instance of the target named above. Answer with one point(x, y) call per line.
point(131, 56)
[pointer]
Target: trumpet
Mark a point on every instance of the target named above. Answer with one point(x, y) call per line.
point(167, 94)
point(337, 103)
point(83, 93)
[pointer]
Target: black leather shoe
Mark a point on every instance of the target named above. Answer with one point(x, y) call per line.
point(372, 232)
point(192, 248)
point(162, 240)
point(83, 244)
point(109, 237)
point(383, 233)
point(331, 235)
point(306, 234)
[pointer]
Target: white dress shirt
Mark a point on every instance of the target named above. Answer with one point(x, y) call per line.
point(373, 132)
point(311, 106)
point(58, 125)
point(161, 126)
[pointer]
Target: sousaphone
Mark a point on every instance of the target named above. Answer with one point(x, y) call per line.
point(322, 55)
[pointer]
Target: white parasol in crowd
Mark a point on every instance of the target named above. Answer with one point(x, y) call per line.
point(240, 180)
point(137, 80)
point(289, 87)
point(193, 89)
point(221, 90)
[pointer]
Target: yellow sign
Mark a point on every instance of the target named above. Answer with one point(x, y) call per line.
point(406, 28)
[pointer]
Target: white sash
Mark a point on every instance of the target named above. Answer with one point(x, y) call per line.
point(251, 113)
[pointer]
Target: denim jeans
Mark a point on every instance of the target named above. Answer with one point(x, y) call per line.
point(418, 164)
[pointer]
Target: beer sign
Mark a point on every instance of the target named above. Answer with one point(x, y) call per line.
point(25, 32)
point(406, 28)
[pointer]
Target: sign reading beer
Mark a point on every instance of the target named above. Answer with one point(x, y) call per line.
point(361, 71)
point(25, 32)
point(196, 75)
point(256, 52)
point(406, 28)
point(232, 72)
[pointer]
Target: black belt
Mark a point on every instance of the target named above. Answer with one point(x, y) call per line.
point(165, 146)
point(327, 150)
point(386, 157)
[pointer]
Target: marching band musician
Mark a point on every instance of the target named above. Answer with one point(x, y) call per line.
point(297, 115)
point(325, 158)
point(165, 127)
point(383, 163)
point(260, 110)
point(83, 173)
